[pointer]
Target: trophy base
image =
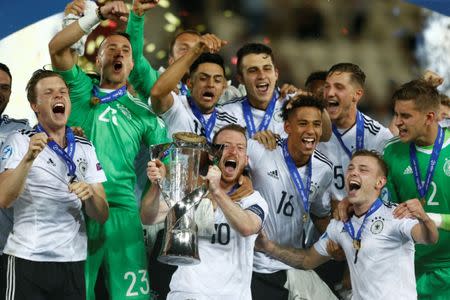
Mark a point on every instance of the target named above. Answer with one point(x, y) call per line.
point(175, 260)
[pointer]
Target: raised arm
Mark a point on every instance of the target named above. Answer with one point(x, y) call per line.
point(297, 258)
point(243, 221)
point(59, 46)
point(12, 181)
point(143, 76)
point(161, 97)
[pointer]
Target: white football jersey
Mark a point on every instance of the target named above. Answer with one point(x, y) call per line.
point(385, 263)
point(270, 176)
point(8, 126)
point(276, 125)
point(48, 221)
point(225, 269)
point(375, 137)
point(181, 118)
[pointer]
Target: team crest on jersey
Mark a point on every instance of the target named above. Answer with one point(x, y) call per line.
point(82, 166)
point(6, 153)
point(278, 115)
point(447, 167)
point(377, 225)
point(124, 110)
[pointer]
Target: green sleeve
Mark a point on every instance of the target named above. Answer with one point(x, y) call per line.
point(143, 76)
point(156, 133)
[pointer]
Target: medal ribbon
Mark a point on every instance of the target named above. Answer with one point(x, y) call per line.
point(295, 175)
point(114, 95)
point(67, 157)
point(359, 135)
point(184, 91)
point(349, 226)
point(438, 142)
point(246, 109)
point(209, 126)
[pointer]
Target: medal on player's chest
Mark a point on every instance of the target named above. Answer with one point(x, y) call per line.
point(305, 218)
point(95, 100)
point(423, 201)
point(357, 244)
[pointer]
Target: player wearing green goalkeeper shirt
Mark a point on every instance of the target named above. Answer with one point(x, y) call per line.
point(419, 167)
point(117, 123)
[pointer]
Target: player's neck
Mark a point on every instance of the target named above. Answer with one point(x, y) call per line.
point(429, 137)
point(58, 134)
point(299, 158)
point(262, 105)
point(107, 84)
point(362, 208)
point(227, 186)
point(346, 121)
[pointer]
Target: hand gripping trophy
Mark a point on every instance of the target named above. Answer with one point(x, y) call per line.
point(187, 156)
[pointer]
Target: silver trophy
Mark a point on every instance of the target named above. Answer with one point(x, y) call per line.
point(188, 156)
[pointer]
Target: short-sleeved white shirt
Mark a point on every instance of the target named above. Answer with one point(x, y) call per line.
point(276, 125)
point(270, 176)
point(181, 118)
point(48, 221)
point(8, 126)
point(385, 264)
point(225, 269)
point(375, 137)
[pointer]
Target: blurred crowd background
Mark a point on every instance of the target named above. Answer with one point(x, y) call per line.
point(385, 38)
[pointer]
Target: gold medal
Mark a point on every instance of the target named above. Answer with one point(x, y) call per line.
point(95, 101)
point(357, 244)
point(305, 218)
point(423, 201)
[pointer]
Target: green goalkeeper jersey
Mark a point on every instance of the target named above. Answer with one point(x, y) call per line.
point(402, 187)
point(117, 129)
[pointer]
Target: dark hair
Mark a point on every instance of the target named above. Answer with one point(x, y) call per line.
point(301, 101)
point(252, 48)
point(356, 74)
point(121, 33)
point(424, 95)
point(37, 76)
point(5, 69)
point(444, 99)
point(314, 76)
point(173, 41)
point(375, 154)
point(207, 58)
point(232, 127)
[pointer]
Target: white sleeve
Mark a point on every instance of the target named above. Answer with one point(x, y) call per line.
point(259, 206)
point(382, 137)
point(329, 234)
point(94, 172)
point(13, 150)
point(405, 227)
point(255, 152)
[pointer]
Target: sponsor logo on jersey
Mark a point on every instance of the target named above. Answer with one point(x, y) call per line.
point(447, 167)
point(6, 153)
point(273, 174)
point(377, 225)
point(407, 171)
point(51, 162)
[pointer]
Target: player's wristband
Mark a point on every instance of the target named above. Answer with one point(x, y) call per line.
point(88, 21)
